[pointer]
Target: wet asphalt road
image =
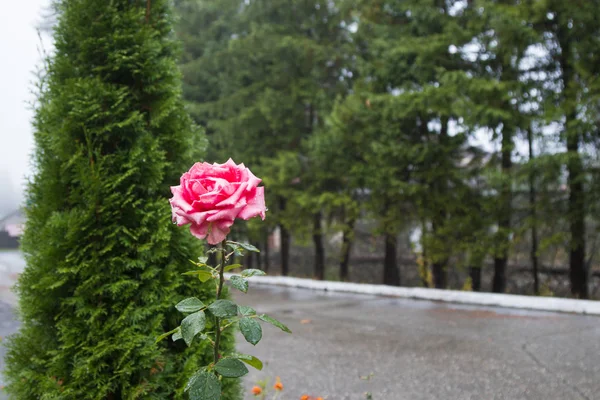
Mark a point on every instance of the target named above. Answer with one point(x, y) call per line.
point(346, 345)
point(419, 350)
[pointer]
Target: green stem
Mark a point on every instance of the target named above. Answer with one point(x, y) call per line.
point(217, 319)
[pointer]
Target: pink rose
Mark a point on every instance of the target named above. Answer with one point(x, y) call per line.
point(211, 197)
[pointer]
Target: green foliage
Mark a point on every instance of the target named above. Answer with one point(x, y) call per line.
point(231, 368)
point(104, 265)
point(205, 383)
point(239, 283)
point(192, 325)
point(250, 360)
point(262, 77)
point(223, 308)
point(251, 330)
point(191, 304)
point(375, 110)
point(274, 322)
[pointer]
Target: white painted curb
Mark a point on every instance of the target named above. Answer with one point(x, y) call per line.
point(555, 304)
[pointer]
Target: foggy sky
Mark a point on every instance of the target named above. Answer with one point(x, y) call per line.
point(19, 44)
point(19, 55)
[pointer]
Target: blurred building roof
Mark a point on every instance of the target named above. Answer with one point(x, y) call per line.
point(13, 223)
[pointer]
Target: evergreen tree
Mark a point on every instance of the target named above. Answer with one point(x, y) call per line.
point(272, 71)
point(571, 62)
point(407, 98)
point(104, 263)
point(496, 93)
point(371, 109)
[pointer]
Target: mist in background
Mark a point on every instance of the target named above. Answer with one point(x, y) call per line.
point(20, 46)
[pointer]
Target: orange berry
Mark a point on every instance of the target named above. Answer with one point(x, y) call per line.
point(304, 397)
point(256, 390)
point(278, 385)
point(319, 398)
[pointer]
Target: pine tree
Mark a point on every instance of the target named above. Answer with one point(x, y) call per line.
point(272, 70)
point(104, 263)
point(571, 63)
point(403, 106)
point(496, 94)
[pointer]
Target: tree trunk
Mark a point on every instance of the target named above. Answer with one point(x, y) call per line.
point(285, 242)
point(505, 208)
point(347, 239)
point(267, 257)
point(250, 260)
point(577, 269)
point(212, 257)
point(424, 268)
point(475, 274)
point(319, 249)
point(258, 261)
point(285, 250)
point(439, 275)
point(438, 267)
point(259, 256)
point(532, 205)
point(391, 274)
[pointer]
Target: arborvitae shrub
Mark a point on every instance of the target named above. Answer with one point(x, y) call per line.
point(104, 263)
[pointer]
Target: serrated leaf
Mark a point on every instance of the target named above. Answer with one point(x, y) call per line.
point(192, 325)
point(251, 330)
point(164, 335)
point(223, 308)
point(191, 304)
point(245, 246)
point(203, 275)
point(232, 266)
point(245, 310)
point(202, 259)
point(249, 247)
point(231, 368)
point(247, 273)
point(232, 245)
point(177, 335)
point(239, 283)
point(204, 385)
point(250, 360)
point(193, 379)
point(274, 322)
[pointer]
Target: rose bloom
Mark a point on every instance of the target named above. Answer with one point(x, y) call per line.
point(210, 197)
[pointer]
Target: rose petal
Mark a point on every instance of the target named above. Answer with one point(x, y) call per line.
point(227, 214)
point(211, 196)
point(195, 186)
point(177, 201)
point(208, 201)
point(198, 218)
point(216, 234)
point(256, 205)
point(234, 198)
point(199, 231)
point(253, 181)
point(179, 219)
